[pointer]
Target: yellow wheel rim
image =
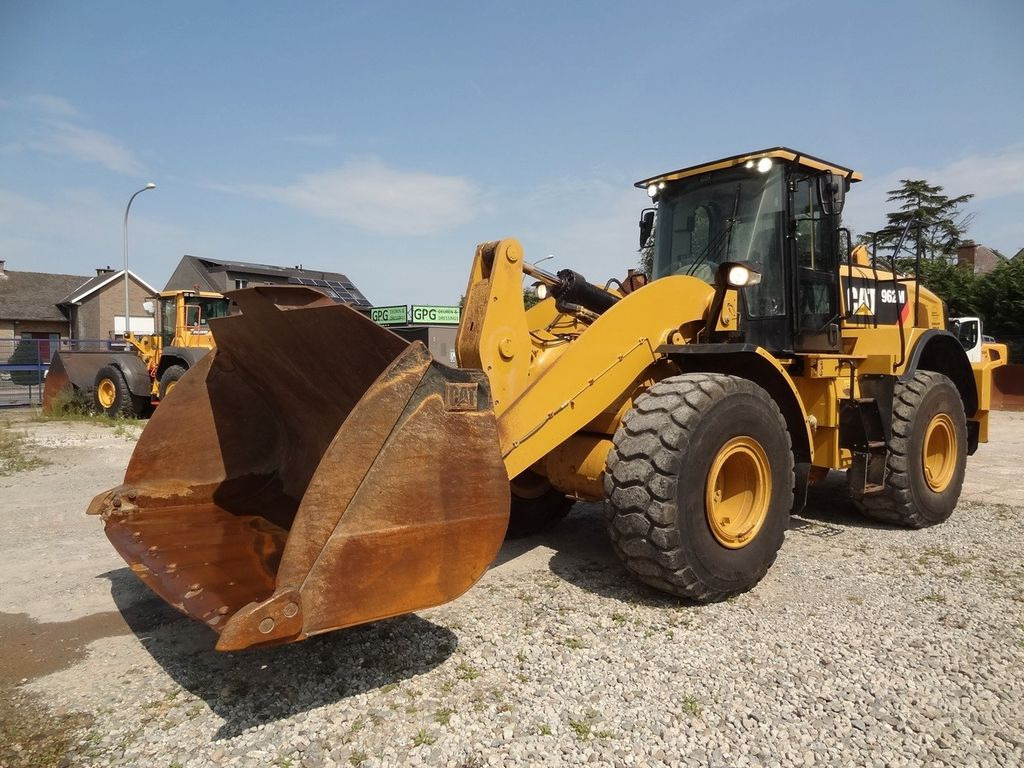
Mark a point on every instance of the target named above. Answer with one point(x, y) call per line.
point(106, 393)
point(738, 492)
point(939, 452)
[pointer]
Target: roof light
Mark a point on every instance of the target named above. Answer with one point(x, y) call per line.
point(652, 190)
point(764, 164)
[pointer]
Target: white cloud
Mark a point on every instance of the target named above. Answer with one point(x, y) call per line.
point(986, 176)
point(86, 145)
point(53, 105)
point(376, 197)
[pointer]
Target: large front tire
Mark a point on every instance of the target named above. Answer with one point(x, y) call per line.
point(927, 459)
point(700, 484)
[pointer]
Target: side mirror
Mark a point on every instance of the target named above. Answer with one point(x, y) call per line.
point(646, 226)
point(832, 193)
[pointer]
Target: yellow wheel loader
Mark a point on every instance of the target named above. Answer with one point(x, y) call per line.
point(128, 383)
point(321, 472)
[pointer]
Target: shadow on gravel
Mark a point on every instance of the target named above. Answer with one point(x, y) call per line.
point(584, 557)
point(249, 688)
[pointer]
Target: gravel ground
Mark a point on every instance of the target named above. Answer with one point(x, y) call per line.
point(864, 645)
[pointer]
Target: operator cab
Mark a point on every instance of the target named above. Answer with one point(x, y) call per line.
point(776, 213)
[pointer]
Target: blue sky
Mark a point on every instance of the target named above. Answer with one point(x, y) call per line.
point(386, 139)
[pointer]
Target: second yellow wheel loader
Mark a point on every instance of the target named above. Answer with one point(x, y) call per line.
point(319, 472)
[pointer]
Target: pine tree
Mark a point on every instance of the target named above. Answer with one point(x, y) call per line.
point(943, 225)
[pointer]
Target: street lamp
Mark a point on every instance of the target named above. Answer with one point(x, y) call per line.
point(127, 308)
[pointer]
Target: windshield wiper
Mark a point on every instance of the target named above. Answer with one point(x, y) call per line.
point(712, 247)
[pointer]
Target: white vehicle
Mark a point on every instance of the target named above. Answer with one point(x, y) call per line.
point(968, 330)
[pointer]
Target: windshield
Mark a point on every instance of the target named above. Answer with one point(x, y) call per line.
point(732, 215)
point(198, 311)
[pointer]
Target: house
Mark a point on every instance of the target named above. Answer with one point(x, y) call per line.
point(95, 309)
point(979, 258)
point(41, 305)
point(204, 274)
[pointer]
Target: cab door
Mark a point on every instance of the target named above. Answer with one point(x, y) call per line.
point(814, 248)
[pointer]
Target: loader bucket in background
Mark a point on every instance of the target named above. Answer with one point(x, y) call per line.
point(313, 472)
point(71, 376)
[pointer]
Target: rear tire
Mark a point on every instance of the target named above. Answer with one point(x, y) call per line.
point(537, 512)
point(169, 378)
point(111, 395)
point(700, 484)
point(927, 460)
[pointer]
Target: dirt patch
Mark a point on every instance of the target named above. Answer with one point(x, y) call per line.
point(32, 649)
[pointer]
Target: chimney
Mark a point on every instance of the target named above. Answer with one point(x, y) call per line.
point(104, 270)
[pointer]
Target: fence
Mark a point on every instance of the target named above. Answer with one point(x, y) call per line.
point(24, 364)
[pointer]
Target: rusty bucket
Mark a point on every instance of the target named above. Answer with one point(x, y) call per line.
point(314, 472)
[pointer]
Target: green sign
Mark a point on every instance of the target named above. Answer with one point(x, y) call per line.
point(389, 315)
point(435, 315)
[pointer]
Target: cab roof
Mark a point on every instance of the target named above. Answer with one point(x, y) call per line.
point(781, 153)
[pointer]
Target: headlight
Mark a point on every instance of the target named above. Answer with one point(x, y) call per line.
point(540, 290)
point(739, 276)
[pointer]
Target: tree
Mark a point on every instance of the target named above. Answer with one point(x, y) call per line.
point(26, 353)
point(955, 285)
point(944, 226)
point(1000, 299)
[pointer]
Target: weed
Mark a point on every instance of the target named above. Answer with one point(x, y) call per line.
point(618, 618)
point(422, 738)
point(944, 556)
point(283, 762)
point(14, 453)
point(466, 671)
point(357, 725)
point(574, 643)
point(358, 758)
point(388, 688)
point(544, 729)
point(934, 597)
point(581, 728)
point(691, 706)
point(177, 764)
point(443, 716)
point(448, 686)
point(521, 657)
point(523, 678)
point(604, 735)
point(855, 599)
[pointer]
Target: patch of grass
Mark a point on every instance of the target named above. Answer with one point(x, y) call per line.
point(934, 597)
point(573, 643)
point(691, 706)
point(388, 688)
point(33, 737)
point(466, 671)
point(422, 738)
point(946, 557)
point(358, 758)
point(544, 729)
point(443, 716)
point(581, 728)
point(15, 453)
point(619, 618)
point(448, 686)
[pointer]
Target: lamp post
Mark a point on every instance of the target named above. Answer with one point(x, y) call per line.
point(127, 307)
